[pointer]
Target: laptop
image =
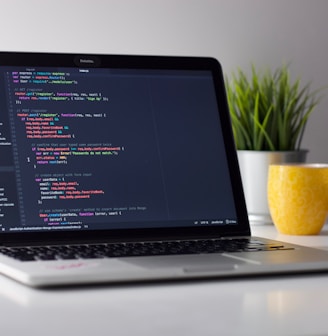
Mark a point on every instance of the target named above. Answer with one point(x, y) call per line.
point(122, 168)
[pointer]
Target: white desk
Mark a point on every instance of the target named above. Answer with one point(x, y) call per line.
point(292, 305)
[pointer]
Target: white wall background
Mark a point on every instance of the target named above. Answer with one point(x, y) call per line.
point(237, 32)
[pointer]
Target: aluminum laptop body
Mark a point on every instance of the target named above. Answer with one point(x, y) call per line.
point(127, 150)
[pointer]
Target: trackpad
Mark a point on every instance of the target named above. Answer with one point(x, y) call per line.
point(189, 263)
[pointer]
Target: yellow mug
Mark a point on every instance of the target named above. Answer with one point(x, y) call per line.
point(298, 197)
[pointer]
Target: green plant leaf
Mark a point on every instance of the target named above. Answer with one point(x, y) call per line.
point(268, 111)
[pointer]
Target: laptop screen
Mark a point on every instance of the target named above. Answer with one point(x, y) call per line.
point(101, 148)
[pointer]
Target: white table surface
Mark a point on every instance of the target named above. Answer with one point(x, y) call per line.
point(281, 305)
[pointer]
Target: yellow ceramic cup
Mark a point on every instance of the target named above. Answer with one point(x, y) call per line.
point(298, 197)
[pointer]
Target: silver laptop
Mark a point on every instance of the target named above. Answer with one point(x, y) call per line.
point(123, 169)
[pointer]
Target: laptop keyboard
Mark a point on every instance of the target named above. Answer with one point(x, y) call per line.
point(114, 250)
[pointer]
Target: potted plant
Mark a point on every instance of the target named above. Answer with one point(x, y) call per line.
point(269, 113)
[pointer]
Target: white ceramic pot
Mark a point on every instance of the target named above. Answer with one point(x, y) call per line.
point(254, 173)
